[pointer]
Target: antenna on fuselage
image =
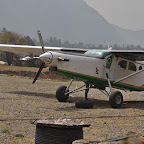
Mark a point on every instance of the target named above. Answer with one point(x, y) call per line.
point(109, 47)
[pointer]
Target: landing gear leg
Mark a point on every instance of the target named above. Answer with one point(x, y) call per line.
point(86, 91)
point(85, 103)
point(115, 97)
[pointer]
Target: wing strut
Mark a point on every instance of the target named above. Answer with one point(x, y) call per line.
point(129, 76)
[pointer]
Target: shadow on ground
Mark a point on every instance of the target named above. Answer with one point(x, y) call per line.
point(34, 94)
point(97, 102)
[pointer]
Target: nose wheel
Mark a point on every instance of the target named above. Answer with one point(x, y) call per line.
point(61, 94)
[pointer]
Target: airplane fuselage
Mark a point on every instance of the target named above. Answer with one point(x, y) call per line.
point(92, 68)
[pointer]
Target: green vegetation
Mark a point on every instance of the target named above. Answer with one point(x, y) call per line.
point(5, 131)
point(8, 37)
point(130, 132)
point(19, 135)
point(10, 74)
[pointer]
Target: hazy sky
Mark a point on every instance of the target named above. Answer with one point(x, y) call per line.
point(124, 13)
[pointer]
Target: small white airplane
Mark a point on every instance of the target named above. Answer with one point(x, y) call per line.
point(121, 69)
point(28, 58)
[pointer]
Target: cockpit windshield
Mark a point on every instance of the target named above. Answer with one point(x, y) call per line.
point(98, 53)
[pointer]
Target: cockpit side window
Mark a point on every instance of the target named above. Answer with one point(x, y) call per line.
point(109, 62)
point(122, 64)
point(132, 66)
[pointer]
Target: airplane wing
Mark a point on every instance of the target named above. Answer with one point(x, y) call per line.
point(135, 55)
point(37, 50)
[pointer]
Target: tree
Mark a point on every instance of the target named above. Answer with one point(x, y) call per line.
point(66, 44)
point(4, 30)
point(7, 37)
point(29, 41)
point(11, 38)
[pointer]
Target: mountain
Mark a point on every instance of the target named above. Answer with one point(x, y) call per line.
point(71, 20)
point(131, 36)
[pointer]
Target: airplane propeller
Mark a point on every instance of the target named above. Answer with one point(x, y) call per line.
point(39, 71)
point(41, 40)
point(43, 64)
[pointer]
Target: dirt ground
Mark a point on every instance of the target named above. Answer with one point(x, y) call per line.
point(21, 102)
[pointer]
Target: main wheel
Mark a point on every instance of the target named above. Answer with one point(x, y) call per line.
point(60, 94)
point(84, 104)
point(116, 99)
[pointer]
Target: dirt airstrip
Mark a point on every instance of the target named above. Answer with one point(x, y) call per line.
point(20, 102)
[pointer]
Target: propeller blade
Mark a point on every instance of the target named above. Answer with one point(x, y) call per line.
point(43, 64)
point(38, 73)
point(41, 40)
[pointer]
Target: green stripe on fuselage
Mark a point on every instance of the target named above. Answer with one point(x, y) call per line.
point(100, 83)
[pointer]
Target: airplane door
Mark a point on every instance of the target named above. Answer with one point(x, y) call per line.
point(109, 67)
point(126, 68)
point(121, 69)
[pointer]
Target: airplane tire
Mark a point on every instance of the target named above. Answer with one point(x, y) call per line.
point(84, 104)
point(61, 97)
point(116, 99)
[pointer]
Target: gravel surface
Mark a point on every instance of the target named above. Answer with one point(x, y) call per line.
point(22, 102)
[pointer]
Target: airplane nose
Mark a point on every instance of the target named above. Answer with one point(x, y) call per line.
point(46, 57)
